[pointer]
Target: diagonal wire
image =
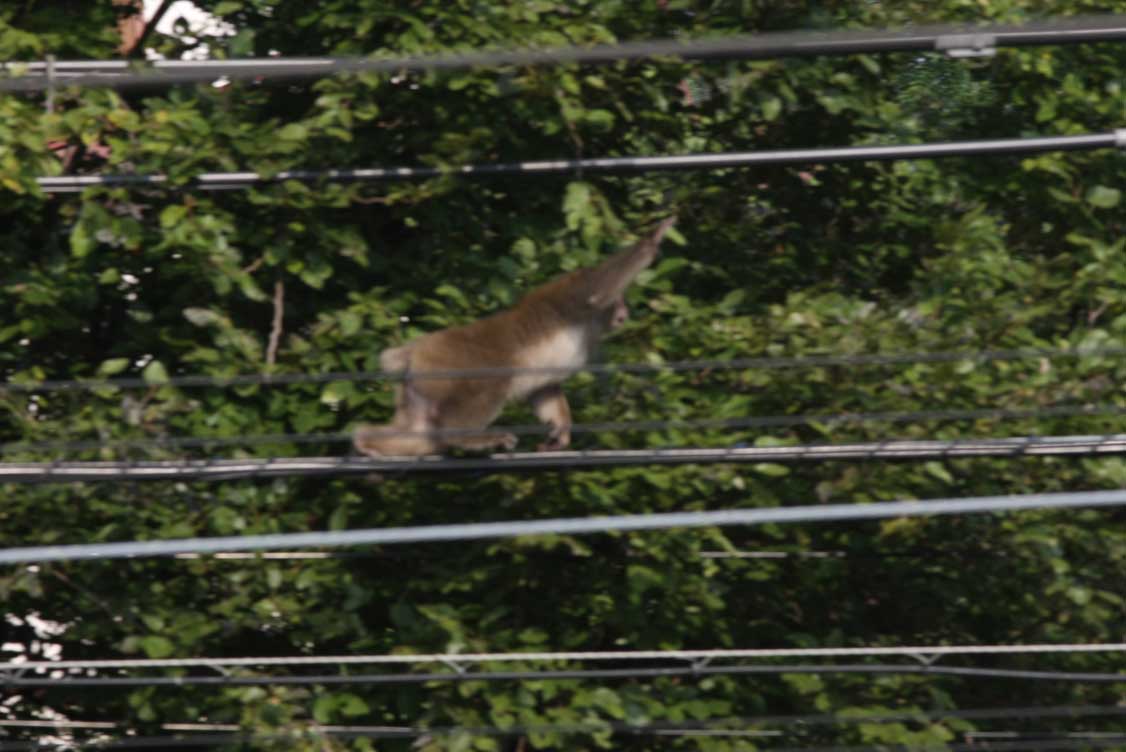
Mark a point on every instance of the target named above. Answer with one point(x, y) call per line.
point(227, 680)
point(563, 526)
point(211, 181)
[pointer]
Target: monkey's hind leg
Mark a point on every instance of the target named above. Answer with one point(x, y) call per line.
point(409, 434)
point(550, 406)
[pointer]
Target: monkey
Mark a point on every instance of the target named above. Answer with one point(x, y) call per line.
point(554, 326)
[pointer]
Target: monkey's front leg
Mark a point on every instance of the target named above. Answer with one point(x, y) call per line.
point(550, 405)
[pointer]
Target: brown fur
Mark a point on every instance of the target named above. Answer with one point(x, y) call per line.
point(555, 325)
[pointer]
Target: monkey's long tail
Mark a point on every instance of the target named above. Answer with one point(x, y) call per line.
point(662, 228)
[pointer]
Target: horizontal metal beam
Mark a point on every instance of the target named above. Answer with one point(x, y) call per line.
point(227, 469)
point(214, 181)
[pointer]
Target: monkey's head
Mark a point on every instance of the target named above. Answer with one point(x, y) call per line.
point(611, 317)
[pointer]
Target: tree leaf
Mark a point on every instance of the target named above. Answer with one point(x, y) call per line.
point(202, 316)
point(155, 373)
point(156, 646)
point(113, 366)
point(1103, 197)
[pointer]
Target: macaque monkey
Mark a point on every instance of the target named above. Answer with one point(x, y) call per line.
point(556, 326)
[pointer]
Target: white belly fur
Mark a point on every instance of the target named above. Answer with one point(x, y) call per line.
point(566, 349)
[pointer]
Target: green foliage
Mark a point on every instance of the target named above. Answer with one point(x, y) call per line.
point(805, 259)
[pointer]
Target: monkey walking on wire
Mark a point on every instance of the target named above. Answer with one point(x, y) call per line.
point(555, 326)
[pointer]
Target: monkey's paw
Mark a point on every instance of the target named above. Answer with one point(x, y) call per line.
point(556, 443)
point(364, 440)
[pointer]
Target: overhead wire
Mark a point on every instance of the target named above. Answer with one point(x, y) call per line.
point(93, 471)
point(987, 736)
point(777, 554)
point(974, 746)
point(562, 526)
point(1056, 745)
point(732, 726)
point(886, 448)
point(957, 41)
point(1044, 445)
point(821, 360)
point(231, 680)
point(1026, 713)
point(924, 653)
point(757, 554)
point(208, 740)
point(240, 180)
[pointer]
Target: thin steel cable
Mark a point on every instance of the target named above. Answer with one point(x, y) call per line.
point(209, 740)
point(228, 680)
point(762, 363)
point(975, 746)
point(718, 726)
point(562, 526)
point(936, 553)
point(919, 652)
point(1036, 712)
point(277, 467)
point(64, 724)
point(670, 424)
point(239, 180)
point(685, 728)
point(988, 736)
point(979, 39)
point(680, 366)
point(984, 745)
point(758, 554)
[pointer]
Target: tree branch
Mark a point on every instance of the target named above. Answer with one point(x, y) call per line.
point(276, 329)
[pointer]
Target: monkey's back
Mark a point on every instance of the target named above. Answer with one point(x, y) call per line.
point(533, 335)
